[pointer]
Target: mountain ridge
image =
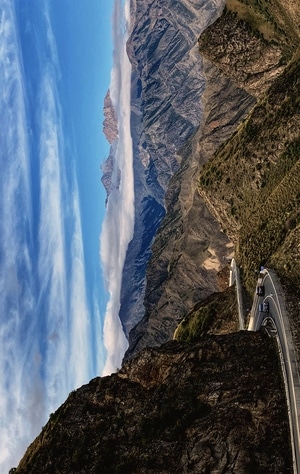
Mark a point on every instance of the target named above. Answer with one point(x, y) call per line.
point(166, 91)
point(189, 228)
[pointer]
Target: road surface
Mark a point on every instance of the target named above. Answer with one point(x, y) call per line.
point(277, 317)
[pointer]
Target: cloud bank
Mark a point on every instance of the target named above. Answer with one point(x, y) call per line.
point(46, 329)
point(118, 226)
point(16, 281)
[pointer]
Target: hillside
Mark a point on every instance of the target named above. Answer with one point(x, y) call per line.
point(174, 410)
point(251, 184)
point(166, 89)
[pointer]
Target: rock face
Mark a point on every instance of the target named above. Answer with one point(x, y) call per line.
point(251, 62)
point(176, 409)
point(167, 85)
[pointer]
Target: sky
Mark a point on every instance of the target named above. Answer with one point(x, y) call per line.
point(61, 251)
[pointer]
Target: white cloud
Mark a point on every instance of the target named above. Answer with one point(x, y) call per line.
point(99, 352)
point(15, 225)
point(80, 330)
point(118, 226)
point(44, 319)
point(52, 252)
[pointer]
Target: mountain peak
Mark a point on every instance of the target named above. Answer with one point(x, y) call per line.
point(110, 123)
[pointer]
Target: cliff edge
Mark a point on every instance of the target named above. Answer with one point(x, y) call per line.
point(171, 410)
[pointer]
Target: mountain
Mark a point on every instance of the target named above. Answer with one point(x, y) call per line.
point(166, 89)
point(190, 248)
point(212, 400)
point(243, 153)
point(110, 130)
point(174, 410)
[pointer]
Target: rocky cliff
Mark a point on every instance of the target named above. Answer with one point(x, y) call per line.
point(176, 409)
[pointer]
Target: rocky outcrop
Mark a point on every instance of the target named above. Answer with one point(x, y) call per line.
point(242, 54)
point(176, 409)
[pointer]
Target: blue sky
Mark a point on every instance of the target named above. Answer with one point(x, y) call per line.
point(55, 66)
point(84, 42)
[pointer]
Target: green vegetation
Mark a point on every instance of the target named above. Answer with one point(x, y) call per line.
point(193, 327)
point(277, 23)
point(256, 176)
point(216, 314)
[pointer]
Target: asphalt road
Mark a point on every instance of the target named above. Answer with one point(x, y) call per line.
point(278, 317)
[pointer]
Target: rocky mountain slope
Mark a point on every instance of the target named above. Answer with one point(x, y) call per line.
point(213, 399)
point(176, 409)
point(190, 248)
point(167, 84)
